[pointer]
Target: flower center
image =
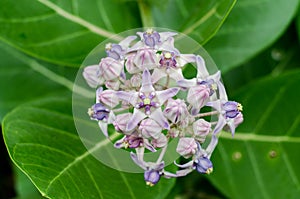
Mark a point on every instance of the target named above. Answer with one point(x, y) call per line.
point(108, 46)
point(149, 31)
point(167, 55)
point(147, 102)
point(209, 170)
point(168, 60)
point(239, 107)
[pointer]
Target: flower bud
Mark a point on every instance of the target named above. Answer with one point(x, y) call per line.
point(201, 128)
point(198, 96)
point(232, 109)
point(145, 58)
point(150, 128)
point(121, 121)
point(203, 165)
point(151, 177)
point(92, 75)
point(130, 66)
point(98, 112)
point(238, 119)
point(110, 68)
point(131, 141)
point(134, 141)
point(109, 98)
point(161, 141)
point(136, 80)
point(186, 147)
point(176, 110)
point(114, 51)
point(113, 85)
point(151, 38)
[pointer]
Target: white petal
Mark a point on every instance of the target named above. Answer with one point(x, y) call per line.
point(146, 82)
point(176, 74)
point(103, 127)
point(91, 75)
point(219, 126)
point(158, 74)
point(158, 116)
point(186, 165)
point(166, 35)
point(137, 116)
point(186, 58)
point(222, 91)
point(140, 163)
point(130, 97)
point(187, 83)
point(168, 45)
point(126, 42)
point(164, 95)
point(212, 145)
point(202, 72)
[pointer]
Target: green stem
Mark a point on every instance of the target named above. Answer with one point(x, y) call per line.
point(146, 15)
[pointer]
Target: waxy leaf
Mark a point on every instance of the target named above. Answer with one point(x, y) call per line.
point(250, 27)
point(43, 142)
point(262, 160)
point(21, 79)
point(198, 19)
point(64, 32)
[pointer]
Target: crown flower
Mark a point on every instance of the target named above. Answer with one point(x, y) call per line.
point(142, 92)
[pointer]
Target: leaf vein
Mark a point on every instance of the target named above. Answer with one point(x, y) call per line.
point(79, 159)
point(290, 168)
point(93, 180)
point(256, 171)
point(93, 28)
point(28, 19)
point(269, 109)
point(63, 38)
point(260, 138)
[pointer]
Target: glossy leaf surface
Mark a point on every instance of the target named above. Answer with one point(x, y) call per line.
point(244, 33)
point(43, 143)
point(261, 160)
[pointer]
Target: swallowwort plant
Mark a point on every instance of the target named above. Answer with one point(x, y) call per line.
point(142, 92)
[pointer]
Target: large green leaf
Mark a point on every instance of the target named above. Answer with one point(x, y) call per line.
point(262, 160)
point(250, 27)
point(198, 19)
point(63, 32)
point(21, 79)
point(43, 142)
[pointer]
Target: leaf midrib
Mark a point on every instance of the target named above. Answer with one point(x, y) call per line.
point(76, 19)
point(259, 138)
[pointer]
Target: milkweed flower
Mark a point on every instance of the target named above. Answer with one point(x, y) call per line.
point(142, 92)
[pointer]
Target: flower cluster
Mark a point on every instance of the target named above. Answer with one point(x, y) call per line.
point(141, 91)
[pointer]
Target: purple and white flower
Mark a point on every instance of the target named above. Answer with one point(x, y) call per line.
point(147, 102)
point(142, 94)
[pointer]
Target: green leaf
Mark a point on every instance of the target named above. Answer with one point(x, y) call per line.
point(198, 19)
point(262, 159)
point(20, 82)
point(63, 32)
point(250, 27)
point(43, 142)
